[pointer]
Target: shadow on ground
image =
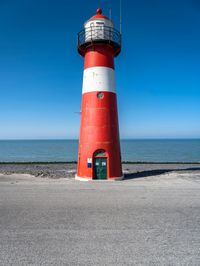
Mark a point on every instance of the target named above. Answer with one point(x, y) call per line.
point(155, 172)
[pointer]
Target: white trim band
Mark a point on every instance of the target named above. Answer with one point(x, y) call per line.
point(79, 178)
point(99, 79)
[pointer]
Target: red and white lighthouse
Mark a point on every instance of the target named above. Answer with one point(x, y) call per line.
point(99, 154)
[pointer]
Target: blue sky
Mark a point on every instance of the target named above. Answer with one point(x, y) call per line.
point(158, 71)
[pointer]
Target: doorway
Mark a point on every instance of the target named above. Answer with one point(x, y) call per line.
point(100, 168)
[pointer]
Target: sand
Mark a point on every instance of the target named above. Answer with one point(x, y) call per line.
point(68, 170)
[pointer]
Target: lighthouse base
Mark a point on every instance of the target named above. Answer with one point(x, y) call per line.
point(79, 178)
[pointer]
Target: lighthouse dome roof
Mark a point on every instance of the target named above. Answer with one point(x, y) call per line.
point(98, 14)
point(99, 17)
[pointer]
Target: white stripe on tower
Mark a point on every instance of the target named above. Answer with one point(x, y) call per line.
point(99, 79)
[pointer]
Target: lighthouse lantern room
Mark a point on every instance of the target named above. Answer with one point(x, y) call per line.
point(99, 155)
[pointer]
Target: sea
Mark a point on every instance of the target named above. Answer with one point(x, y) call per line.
point(156, 150)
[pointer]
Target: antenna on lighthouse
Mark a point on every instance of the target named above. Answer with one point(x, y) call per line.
point(110, 13)
point(120, 16)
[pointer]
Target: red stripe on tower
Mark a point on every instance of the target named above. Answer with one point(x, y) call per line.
point(99, 57)
point(99, 154)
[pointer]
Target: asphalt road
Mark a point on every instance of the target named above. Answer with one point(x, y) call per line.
point(151, 220)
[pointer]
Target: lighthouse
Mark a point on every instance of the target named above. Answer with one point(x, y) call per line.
point(99, 155)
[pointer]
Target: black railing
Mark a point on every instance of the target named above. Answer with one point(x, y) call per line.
point(97, 34)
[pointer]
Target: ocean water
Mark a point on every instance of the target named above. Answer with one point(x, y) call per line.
point(132, 150)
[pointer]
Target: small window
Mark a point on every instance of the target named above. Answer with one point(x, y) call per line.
point(100, 95)
point(100, 153)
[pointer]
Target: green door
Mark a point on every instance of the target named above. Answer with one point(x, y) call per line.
point(100, 168)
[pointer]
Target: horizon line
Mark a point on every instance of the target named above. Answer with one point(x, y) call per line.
point(152, 138)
